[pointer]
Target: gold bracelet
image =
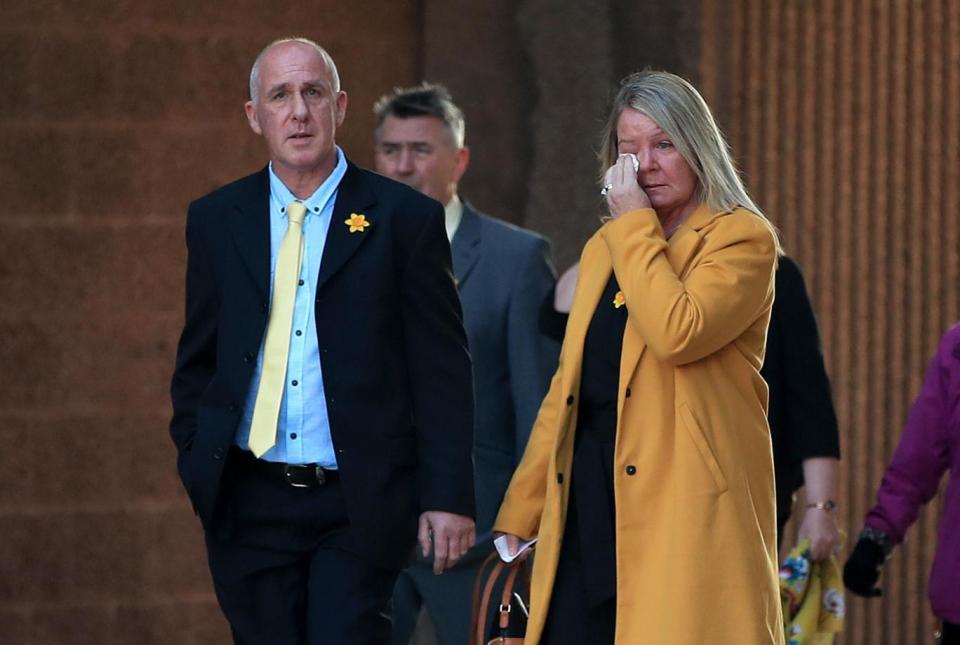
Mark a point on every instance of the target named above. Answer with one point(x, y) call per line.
point(828, 505)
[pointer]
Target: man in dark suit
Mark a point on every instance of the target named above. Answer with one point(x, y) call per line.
point(322, 391)
point(503, 273)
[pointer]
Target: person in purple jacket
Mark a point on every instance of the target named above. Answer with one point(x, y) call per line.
point(929, 446)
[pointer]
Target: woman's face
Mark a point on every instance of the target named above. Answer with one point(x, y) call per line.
point(663, 174)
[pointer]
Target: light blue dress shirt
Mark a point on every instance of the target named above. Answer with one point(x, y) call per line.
point(303, 427)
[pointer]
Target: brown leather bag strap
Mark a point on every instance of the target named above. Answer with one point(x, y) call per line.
point(485, 600)
point(487, 571)
point(507, 596)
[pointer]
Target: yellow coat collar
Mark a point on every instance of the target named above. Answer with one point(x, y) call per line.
point(596, 265)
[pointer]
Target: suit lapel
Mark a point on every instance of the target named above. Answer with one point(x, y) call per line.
point(353, 197)
point(465, 246)
point(250, 228)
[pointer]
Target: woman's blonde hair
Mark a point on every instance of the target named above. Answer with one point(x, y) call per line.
point(677, 107)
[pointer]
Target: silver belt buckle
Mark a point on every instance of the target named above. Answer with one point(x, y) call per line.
point(321, 475)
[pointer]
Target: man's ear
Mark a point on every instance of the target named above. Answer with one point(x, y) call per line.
point(463, 160)
point(341, 107)
point(252, 120)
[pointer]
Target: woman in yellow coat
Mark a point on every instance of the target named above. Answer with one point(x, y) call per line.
point(648, 478)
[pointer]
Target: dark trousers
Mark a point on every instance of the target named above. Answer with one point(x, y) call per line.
point(577, 613)
point(447, 598)
point(282, 566)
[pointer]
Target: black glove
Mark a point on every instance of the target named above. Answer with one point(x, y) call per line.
point(862, 569)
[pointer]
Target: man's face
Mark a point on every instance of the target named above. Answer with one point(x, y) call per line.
point(420, 152)
point(297, 111)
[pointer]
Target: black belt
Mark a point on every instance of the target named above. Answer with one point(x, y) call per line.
point(296, 475)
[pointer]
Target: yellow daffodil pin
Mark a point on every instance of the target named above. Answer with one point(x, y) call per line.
point(357, 222)
point(619, 300)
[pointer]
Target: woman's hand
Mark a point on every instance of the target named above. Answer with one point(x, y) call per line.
point(819, 524)
point(623, 191)
point(513, 545)
point(820, 527)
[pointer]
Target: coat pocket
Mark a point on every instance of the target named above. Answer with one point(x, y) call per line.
point(700, 441)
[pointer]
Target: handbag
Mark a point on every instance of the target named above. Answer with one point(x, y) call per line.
point(510, 620)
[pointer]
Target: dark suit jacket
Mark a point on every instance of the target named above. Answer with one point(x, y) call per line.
point(392, 346)
point(803, 423)
point(503, 273)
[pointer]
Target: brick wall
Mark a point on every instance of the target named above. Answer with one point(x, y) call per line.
point(113, 116)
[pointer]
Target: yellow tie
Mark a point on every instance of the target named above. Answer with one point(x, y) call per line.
point(276, 348)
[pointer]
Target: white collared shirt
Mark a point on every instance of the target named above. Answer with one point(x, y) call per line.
point(453, 213)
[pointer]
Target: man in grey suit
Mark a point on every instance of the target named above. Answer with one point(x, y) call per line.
point(503, 274)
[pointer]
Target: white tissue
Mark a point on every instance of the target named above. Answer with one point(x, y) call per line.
point(633, 158)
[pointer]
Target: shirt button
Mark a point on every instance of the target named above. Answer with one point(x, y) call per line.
point(559, 478)
point(294, 383)
point(299, 333)
point(631, 470)
point(628, 393)
point(570, 400)
point(263, 307)
point(300, 283)
point(247, 357)
point(293, 435)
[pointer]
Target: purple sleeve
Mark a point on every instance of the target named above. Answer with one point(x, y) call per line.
point(922, 456)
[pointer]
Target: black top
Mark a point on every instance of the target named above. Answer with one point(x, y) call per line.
point(803, 423)
point(592, 484)
point(600, 371)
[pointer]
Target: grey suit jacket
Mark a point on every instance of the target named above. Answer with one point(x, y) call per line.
point(504, 274)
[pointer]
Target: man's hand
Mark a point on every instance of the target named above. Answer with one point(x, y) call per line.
point(820, 526)
point(452, 536)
